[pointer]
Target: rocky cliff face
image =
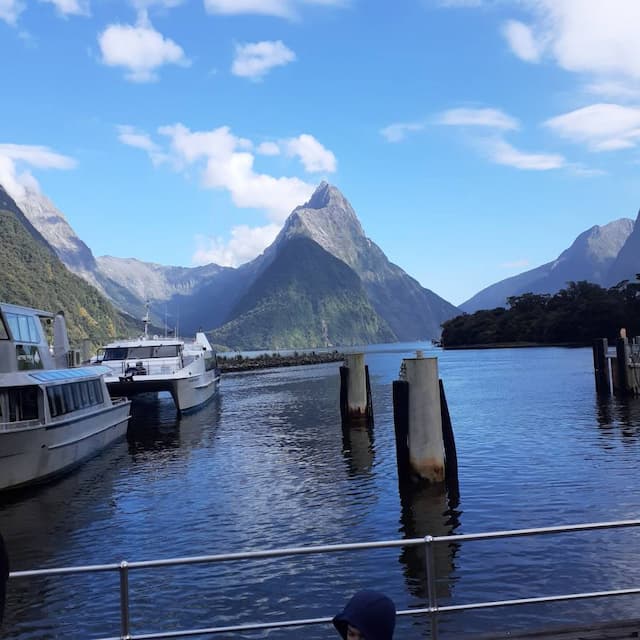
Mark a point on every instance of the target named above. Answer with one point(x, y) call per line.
point(627, 262)
point(53, 225)
point(590, 258)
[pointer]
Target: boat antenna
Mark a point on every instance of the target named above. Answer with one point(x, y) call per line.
point(165, 320)
point(145, 320)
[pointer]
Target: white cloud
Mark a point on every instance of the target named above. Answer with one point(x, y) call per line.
point(521, 40)
point(140, 49)
point(490, 118)
point(255, 59)
point(140, 140)
point(244, 245)
point(313, 155)
point(10, 10)
point(226, 163)
point(277, 8)
point(602, 127)
point(70, 7)
point(589, 36)
point(37, 156)
point(615, 89)
point(14, 157)
point(501, 152)
point(398, 131)
point(268, 149)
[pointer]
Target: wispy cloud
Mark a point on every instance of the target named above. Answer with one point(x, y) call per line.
point(489, 118)
point(140, 49)
point(10, 10)
point(279, 8)
point(601, 127)
point(254, 60)
point(70, 7)
point(398, 131)
point(268, 149)
point(501, 152)
point(16, 160)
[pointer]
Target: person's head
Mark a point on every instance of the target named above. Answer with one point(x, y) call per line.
point(369, 615)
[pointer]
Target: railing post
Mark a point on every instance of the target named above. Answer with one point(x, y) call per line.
point(431, 586)
point(124, 601)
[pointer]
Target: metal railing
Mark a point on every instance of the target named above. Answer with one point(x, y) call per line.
point(432, 610)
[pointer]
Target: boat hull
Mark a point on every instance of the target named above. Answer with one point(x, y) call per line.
point(33, 454)
point(188, 392)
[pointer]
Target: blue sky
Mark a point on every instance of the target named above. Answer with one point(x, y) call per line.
point(475, 139)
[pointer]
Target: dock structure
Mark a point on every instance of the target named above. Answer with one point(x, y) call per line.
point(618, 371)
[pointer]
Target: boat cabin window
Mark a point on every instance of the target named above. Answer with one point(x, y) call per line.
point(115, 353)
point(23, 328)
point(3, 330)
point(71, 396)
point(19, 403)
point(137, 353)
point(165, 351)
point(28, 357)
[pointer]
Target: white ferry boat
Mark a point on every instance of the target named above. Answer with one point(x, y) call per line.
point(52, 416)
point(187, 369)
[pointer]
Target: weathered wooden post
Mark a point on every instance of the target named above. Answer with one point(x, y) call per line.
point(622, 358)
point(355, 390)
point(601, 365)
point(424, 419)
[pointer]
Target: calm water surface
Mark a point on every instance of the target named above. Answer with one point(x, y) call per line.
point(265, 465)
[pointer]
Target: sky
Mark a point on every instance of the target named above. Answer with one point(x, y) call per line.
point(475, 139)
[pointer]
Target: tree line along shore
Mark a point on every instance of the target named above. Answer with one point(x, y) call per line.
point(575, 316)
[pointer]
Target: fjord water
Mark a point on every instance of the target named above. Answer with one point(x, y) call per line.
point(265, 465)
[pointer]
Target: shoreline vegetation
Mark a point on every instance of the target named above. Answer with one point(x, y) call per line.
point(572, 317)
point(236, 363)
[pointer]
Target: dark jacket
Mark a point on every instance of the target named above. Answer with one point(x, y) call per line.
point(373, 614)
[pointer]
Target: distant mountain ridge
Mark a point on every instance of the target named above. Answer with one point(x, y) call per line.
point(591, 257)
point(395, 306)
point(627, 263)
point(34, 276)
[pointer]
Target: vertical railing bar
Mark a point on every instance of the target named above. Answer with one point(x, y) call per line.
point(125, 629)
point(431, 586)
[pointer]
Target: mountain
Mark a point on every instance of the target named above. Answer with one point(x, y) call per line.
point(627, 262)
point(590, 258)
point(397, 306)
point(305, 297)
point(411, 311)
point(34, 276)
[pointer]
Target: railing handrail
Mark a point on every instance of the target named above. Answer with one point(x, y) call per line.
point(432, 610)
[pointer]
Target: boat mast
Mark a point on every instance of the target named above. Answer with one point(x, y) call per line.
point(145, 320)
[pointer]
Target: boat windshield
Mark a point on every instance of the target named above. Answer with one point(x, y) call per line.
point(142, 352)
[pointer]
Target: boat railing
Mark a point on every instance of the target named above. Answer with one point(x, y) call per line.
point(19, 424)
point(432, 609)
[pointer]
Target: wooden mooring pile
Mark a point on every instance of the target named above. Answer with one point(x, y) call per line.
point(617, 371)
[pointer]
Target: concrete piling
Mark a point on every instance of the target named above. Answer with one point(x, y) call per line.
point(355, 390)
point(418, 413)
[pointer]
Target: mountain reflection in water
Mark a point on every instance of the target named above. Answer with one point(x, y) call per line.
point(267, 464)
